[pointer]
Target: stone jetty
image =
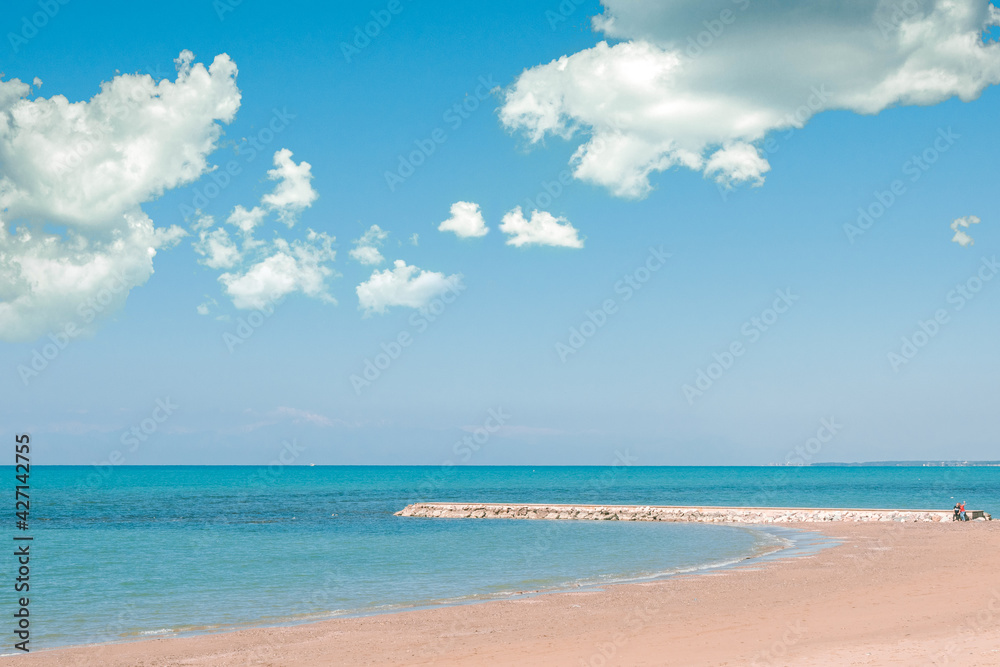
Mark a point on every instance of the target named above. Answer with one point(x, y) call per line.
point(702, 514)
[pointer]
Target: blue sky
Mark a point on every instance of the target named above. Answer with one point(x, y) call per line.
point(737, 234)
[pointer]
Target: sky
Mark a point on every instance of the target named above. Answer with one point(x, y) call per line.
point(534, 233)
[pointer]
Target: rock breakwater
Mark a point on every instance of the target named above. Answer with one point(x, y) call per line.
point(667, 513)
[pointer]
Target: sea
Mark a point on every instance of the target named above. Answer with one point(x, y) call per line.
point(131, 552)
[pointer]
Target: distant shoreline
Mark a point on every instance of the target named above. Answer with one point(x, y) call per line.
point(910, 464)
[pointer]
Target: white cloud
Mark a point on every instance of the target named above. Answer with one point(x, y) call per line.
point(542, 229)
point(299, 266)
point(415, 239)
point(403, 286)
point(217, 248)
point(294, 192)
point(737, 163)
point(260, 272)
point(48, 282)
point(367, 255)
point(286, 414)
point(366, 248)
point(673, 94)
point(244, 220)
point(74, 178)
point(961, 237)
point(466, 221)
point(203, 222)
point(298, 416)
point(206, 307)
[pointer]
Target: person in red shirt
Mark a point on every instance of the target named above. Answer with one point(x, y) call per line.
point(961, 512)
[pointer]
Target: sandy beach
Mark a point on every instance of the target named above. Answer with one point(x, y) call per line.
point(891, 594)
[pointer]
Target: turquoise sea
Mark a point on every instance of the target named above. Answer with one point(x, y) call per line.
point(130, 552)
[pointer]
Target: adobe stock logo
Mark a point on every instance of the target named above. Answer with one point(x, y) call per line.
point(565, 9)
point(927, 330)
point(248, 326)
point(454, 117)
point(915, 167)
point(595, 320)
point(363, 35)
point(88, 310)
point(752, 330)
point(37, 21)
point(391, 351)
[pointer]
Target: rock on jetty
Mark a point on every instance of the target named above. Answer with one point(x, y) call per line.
point(666, 513)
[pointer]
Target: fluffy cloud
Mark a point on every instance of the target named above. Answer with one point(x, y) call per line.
point(263, 272)
point(698, 84)
point(366, 248)
point(294, 192)
point(73, 237)
point(961, 237)
point(218, 249)
point(299, 266)
point(246, 221)
point(367, 255)
point(542, 229)
point(466, 220)
point(404, 286)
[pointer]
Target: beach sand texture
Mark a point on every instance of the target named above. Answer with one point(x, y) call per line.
point(891, 594)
